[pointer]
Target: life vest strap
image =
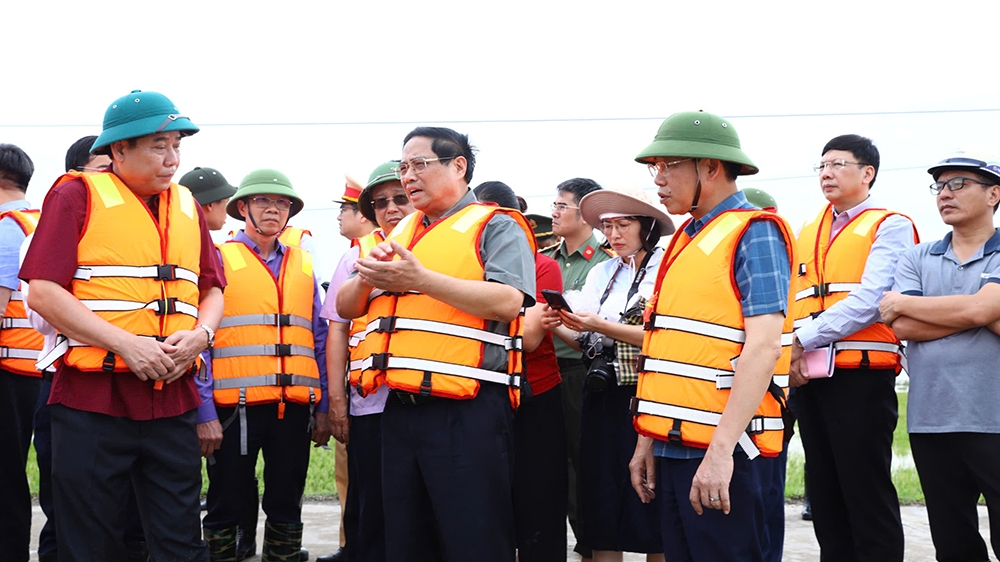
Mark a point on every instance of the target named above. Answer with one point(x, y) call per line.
point(14, 323)
point(354, 340)
point(391, 324)
point(276, 350)
point(16, 296)
point(164, 272)
point(276, 379)
point(277, 320)
point(825, 290)
point(18, 353)
point(383, 362)
point(161, 307)
point(722, 378)
point(677, 323)
point(852, 345)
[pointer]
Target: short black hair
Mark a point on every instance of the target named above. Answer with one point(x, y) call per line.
point(579, 187)
point(448, 144)
point(16, 166)
point(497, 192)
point(79, 154)
point(863, 149)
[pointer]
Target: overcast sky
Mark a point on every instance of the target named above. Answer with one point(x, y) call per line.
point(547, 90)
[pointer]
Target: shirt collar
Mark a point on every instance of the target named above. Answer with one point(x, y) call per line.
point(735, 201)
point(941, 246)
point(587, 249)
point(17, 205)
point(279, 248)
point(855, 210)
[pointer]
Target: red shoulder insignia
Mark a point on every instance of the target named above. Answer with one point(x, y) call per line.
point(588, 252)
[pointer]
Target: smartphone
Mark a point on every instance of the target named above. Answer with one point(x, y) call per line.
point(556, 300)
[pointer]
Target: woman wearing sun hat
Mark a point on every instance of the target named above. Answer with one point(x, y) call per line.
point(615, 520)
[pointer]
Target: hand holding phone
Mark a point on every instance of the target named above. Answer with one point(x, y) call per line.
point(556, 300)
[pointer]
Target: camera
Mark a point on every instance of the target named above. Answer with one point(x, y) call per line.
point(601, 374)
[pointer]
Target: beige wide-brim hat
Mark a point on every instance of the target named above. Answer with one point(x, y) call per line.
point(626, 201)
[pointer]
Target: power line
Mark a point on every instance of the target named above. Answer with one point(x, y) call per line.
point(539, 120)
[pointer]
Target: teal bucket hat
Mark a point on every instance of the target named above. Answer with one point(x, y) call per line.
point(139, 114)
point(696, 134)
point(381, 174)
point(265, 182)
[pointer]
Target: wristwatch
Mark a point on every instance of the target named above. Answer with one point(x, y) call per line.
point(211, 334)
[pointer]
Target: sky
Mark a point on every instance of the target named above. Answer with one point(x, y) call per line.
point(547, 91)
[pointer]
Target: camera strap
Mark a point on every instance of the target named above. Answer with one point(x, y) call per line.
point(635, 282)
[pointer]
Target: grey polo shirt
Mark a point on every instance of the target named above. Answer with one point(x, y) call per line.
point(955, 380)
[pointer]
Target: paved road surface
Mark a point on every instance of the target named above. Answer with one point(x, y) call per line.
point(322, 518)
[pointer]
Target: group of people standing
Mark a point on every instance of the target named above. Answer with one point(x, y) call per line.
point(486, 389)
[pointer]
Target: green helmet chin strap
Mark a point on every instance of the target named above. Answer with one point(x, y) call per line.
point(697, 188)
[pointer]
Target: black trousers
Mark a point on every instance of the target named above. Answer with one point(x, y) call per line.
point(846, 424)
point(18, 395)
point(954, 469)
point(97, 460)
point(364, 520)
point(285, 443)
point(540, 478)
point(573, 373)
point(446, 479)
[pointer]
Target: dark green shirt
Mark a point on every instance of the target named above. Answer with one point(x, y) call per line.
point(574, 268)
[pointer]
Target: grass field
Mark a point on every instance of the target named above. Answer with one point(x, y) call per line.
point(320, 482)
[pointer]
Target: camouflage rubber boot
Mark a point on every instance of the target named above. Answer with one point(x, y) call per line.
point(282, 542)
point(221, 544)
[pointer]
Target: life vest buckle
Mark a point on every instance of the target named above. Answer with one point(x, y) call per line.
point(633, 406)
point(640, 363)
point(756, 425)
point(282, 320)
point(514, 380)
point(821, 290)
point(380, 361)
point(649, 321)
point(166, 272)
point(283, 349)
point(283, 379)
point(108, 365)
point(386, 325)
point(166, 306)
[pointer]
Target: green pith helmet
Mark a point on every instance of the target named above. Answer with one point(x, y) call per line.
point(381, 174)
point(760, 199)
point(208, 185)
point(139, 114)
point(696, 134)
point(265, 182)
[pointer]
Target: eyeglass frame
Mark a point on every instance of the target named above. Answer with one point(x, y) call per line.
point(404, 167)
point(253, 201)
point(654, 167)
point(837, 164)
point(632, 219)
point(939, 186)
point(398, 200)
point(561, 207)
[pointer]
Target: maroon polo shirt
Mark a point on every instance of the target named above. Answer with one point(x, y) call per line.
point(52, 256)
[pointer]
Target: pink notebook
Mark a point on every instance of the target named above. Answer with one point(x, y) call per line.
point(819, 362)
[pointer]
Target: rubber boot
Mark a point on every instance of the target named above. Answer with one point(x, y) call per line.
point(282, 542)
point(246, 536)
point(221, 544)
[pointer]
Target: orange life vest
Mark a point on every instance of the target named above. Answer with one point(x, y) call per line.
point(355, 343)
point(20, 344)
point(265, 350)
point(828, 270)
point(146, 282)
point(694, 336)
point(292, 236)
point(424, 346)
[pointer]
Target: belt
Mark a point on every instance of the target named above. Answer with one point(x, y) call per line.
point(411, 399)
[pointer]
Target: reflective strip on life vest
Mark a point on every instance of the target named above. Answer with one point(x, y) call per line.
point(278, 350)
point(826, 289)
point(15, 353)
point(851, 345)
point(757, 424)
point(160, 307)
point(409, 363)
point(393, 323)
point(278, 320)
point(14, 323)
point(159, 272)
point(722, 379)
point(265, 380)
point(16, 296)
point(663, 322)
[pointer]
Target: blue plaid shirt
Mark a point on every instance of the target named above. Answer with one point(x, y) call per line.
point(763, 275)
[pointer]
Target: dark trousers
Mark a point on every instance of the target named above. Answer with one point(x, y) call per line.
point(573, 373)
point(539, 478)
point(771, 475)
point(97, 460)
point(364, 519)
point(18, 395)
point(954, 469)
point(712, 536)
point(846, 423)
point(285, 443)
point(446, 479)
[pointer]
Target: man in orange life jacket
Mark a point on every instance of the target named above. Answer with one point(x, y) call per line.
point(357, 420)
point(713, 360)
point(19, 380)
point(268, 371)
point(123, 266)
point(846, 259)
point(455, 267)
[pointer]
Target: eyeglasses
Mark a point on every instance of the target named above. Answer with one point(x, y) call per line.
point(560, 207)
point(397, 200)
point(418, 165)
point(348, 207)
point(954, 184)
point(623, 225)
point(657, 168)
point(836, 165)
point(89, 169)
point(266, 202)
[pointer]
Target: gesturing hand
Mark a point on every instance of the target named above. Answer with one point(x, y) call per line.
point(391, 267)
